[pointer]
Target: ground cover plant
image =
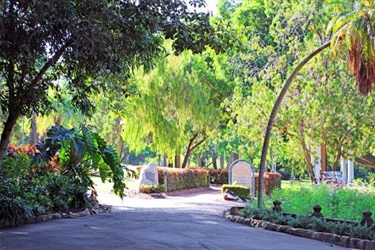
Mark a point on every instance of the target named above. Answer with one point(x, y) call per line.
point(55, 176)
point(310, 222)
point(337, 201)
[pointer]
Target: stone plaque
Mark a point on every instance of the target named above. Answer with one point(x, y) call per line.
point(148, 176)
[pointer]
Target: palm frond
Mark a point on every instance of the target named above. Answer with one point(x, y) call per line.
point(356, 29)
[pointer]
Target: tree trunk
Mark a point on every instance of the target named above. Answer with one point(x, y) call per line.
point(202, 157)
point(273, 115)
point(5, 136)
point(221, 161)
point(164, 160)
point(198, 160)
point(335, 166)
point(214, 158)
point(339, 150)
point(120, 143)
point(170, 164)
point(232, 157)
point(323, 156)
point(177, 161)
point(33, 137)
point(306, 153)
point(190, 148)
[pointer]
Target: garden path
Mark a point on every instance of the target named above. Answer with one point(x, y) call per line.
point(180, 221)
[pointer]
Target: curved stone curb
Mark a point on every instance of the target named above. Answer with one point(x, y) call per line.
point(97, 209)
point(35, 219)
point(344, 241)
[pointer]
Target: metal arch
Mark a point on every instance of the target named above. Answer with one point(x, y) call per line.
point(252, 188)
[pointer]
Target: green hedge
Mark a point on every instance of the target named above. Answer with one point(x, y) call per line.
point(241, 191)
point(271, 182)
point(218, 176)
point(148, 189)
point(185, 179)
point(179, 178)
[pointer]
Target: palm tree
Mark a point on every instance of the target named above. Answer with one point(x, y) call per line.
point(354, 27)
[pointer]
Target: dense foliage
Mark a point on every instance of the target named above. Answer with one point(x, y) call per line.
point(180, 179)
point(84, 42)
point(336, 202)
point(54, 176)
point(218, 176)
point(310, 222)
point(241, 191)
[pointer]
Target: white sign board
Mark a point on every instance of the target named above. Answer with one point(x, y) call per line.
point(242, 173)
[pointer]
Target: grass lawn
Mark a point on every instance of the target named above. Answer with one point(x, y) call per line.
point(106, 187)
point(291, 184)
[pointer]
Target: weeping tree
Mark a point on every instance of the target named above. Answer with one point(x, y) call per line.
point(43, 41)
point(352, 28)
point(177, 107)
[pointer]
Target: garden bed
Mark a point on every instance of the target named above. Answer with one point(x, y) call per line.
point(344, 241)
point(97, 209)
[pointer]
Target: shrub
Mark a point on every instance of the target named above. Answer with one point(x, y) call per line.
point(341, 203)
point(12, 211)
point(285, 174)
point(35, 178)
point(271, 182)
point(241, 191)
point(179, 179)
point(250, 211)
point(218, 176)
point(148, 189)
point(309, 222)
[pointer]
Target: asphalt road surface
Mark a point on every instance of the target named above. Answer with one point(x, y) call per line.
point(188, 221)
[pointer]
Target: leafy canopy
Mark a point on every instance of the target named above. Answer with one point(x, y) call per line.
point(42, 41)
point(85, 43)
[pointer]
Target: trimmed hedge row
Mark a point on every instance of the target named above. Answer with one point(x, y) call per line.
point(181, 178)
point(271, 180)
point(218, 176)
point(241, 191)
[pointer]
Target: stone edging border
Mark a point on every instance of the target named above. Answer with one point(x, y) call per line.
point(344, 241)
point(47, 217)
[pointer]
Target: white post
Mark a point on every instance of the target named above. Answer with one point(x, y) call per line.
point(350, 172)
point(273, 163)
point(317, 166)
point(344, 170)
point(317, 171)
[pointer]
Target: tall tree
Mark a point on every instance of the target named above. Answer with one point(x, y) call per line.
point(177, 106)
point(42, 41)
point(353, 25)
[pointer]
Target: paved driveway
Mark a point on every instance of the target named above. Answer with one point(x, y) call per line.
point(191, 221)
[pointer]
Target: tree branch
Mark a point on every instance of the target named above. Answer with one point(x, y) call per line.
point(34, 83)
point(199, 143)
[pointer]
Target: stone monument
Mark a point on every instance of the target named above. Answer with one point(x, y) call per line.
point(148, 176)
